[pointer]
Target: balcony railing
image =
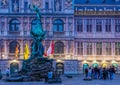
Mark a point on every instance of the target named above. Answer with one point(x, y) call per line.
point(49, 34)
point(64, 34)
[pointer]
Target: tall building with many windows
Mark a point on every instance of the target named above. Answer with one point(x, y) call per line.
point(97, 32)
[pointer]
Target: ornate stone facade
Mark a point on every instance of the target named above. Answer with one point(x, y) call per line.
point(17, 20)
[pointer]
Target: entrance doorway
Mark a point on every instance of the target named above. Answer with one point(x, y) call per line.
point(85, 65)
point(115, 65)
point(95, 65)
point(14, 67)
point(60, 68)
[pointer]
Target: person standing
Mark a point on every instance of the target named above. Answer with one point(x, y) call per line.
point(50, 74)
point(86, 73)
point(104, 73)
point(0, 74)
point(7, 72)
point(112, 72)
point(90, 73)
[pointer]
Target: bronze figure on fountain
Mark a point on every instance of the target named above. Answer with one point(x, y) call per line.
point(38, 34)
point(36, 67)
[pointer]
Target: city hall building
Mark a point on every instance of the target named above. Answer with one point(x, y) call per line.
point(16, 20)
point(85, 32)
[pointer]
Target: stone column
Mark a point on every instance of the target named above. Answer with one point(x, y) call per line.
point(103, 26)
point(75, 48)
point(103, 48)
point(93, 49)
point(6, 26)
point(21, 50)
point(84, 25)
point(66, 46)
point(51, 26)
point(113, 49)
point(21, 26)
point(66, 27)
point(29, 26)
point(84, 49)
point(94, 28)
point(5, 50)
point(22, 5)
point(73, 27)
point(113, 26)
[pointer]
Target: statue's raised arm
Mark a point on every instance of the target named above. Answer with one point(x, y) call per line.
point(36, 9)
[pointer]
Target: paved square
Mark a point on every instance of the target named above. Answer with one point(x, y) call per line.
point(76, 80)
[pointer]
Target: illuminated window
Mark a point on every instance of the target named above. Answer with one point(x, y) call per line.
point(99, 48)
point(89, 48)
point(108, 48)
point(80, 48)
point(117, 48)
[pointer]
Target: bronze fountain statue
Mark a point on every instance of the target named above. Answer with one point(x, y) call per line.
point(38, 34)
point(36, 67)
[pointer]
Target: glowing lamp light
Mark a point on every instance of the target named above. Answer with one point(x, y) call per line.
point(84, 61)
point(103, 61)
point(94, 61)
point(14, 61)
point(59, 61)
point(113, 61)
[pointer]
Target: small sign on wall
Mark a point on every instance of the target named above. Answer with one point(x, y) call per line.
point(71, 67)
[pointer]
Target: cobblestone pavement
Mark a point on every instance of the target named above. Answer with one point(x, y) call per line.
point(76, 80)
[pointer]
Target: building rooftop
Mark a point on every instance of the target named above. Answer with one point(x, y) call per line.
point(97, 5)
point(101, 2)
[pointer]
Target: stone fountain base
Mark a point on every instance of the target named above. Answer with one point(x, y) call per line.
point(32, 70)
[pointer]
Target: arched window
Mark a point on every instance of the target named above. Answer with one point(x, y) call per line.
point(58, 26)
point(34, 23)
point(59, 48)
point(14, 25)
point(12, 46)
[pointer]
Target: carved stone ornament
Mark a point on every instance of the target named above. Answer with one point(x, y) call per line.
point(38, 3)
point(4, 3)
point(68, 3)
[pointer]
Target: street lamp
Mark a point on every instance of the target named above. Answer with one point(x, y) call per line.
point(2, 56)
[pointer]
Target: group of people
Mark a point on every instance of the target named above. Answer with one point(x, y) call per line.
point(100, 73)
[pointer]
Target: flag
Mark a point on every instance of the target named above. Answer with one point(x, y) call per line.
point(16, 51)
point(50, 50)
point(45, 54)
point(26, 52)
